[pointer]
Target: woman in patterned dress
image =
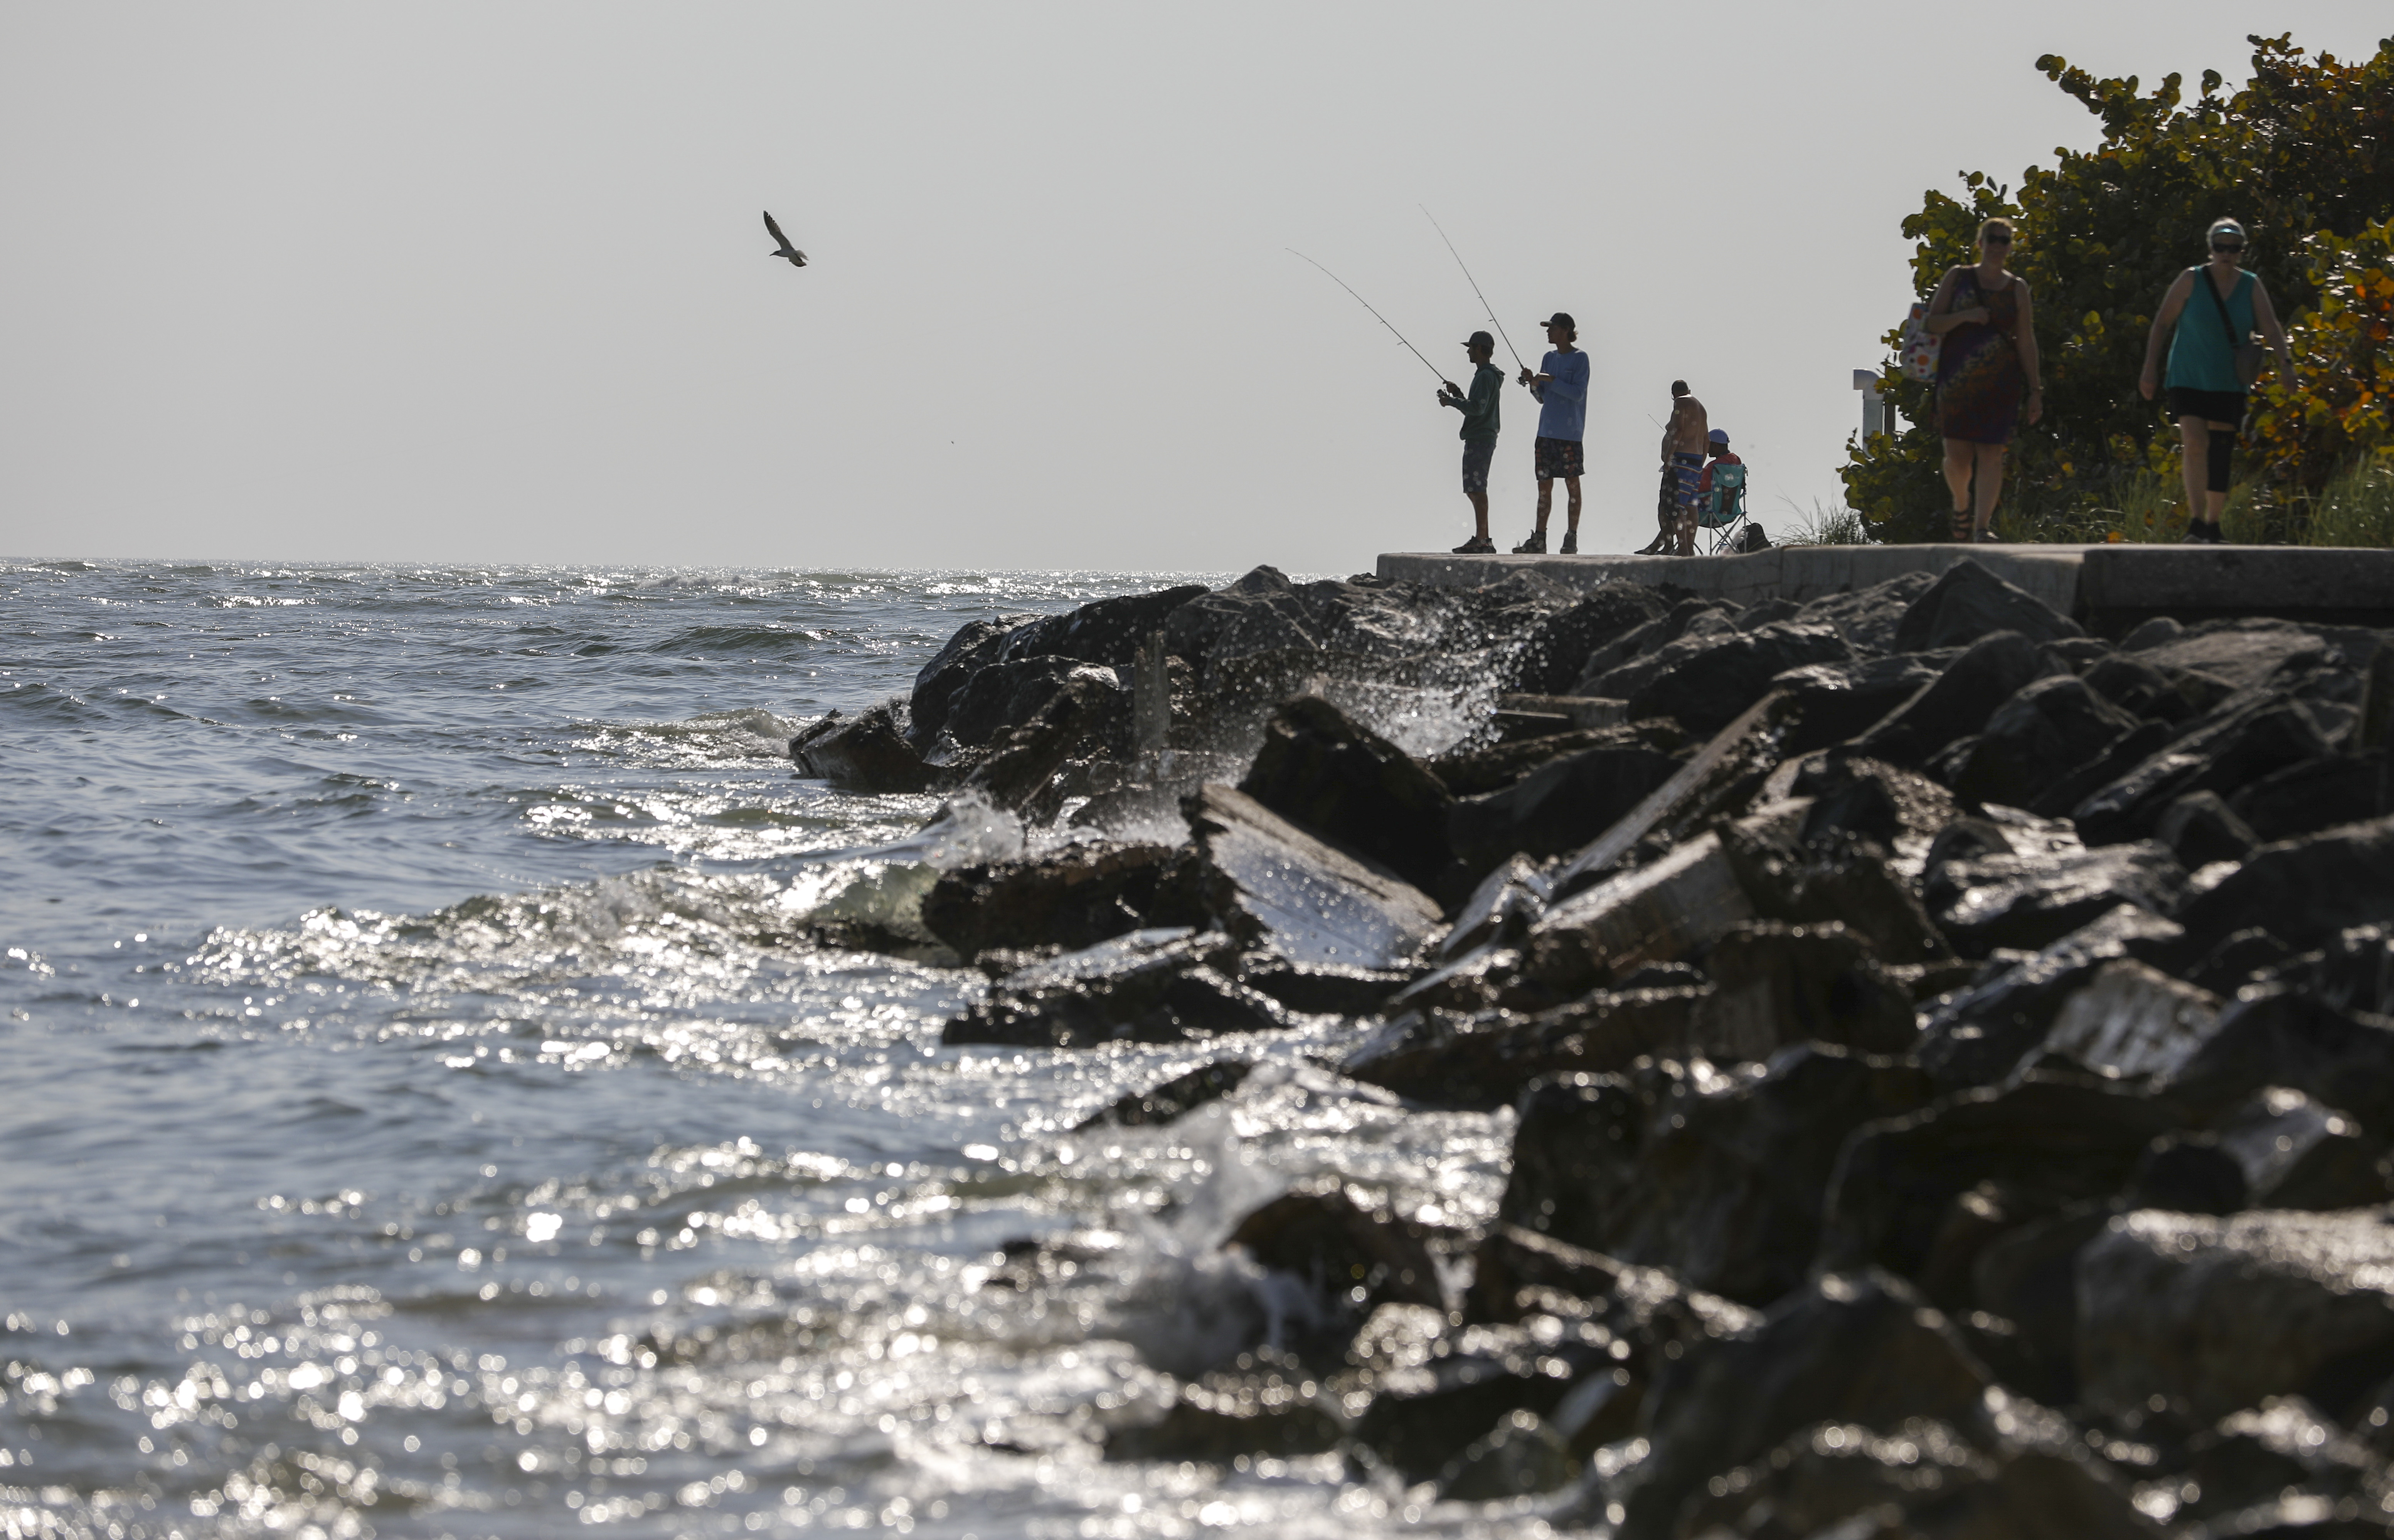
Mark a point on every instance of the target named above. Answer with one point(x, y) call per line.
point(1988, 361)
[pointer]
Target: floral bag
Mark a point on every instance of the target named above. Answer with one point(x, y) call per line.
point(1920, 346)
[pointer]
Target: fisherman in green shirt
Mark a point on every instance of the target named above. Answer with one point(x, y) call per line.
point(1479, 427)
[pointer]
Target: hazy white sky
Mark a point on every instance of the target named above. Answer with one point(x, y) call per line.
point(487, 281)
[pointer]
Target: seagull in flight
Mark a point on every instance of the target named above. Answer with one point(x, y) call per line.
point(795, 257)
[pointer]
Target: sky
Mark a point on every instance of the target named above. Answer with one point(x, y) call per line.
point(487, 282)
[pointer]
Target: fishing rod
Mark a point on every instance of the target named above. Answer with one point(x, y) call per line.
point(1475, 285)
point(1376, 315)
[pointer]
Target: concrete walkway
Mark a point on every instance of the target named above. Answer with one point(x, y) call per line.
point(2107, 588)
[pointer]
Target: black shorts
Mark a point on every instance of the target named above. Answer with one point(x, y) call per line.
point(1477, 454)
point(1561, 458)
point(2212, 406)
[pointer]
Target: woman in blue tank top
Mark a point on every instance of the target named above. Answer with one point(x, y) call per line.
point(2206, 387)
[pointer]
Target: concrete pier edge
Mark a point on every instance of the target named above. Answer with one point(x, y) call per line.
point(2110, 589)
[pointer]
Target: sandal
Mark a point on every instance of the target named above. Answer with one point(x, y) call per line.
point(1963, 529)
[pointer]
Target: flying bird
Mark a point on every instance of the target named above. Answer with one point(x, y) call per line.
point(795, 257)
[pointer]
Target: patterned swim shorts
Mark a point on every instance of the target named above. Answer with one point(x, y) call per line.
point(1477, 454)
point(1689, 469)
point(1561, 458)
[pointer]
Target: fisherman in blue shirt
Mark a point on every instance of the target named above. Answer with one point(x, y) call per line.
point(1561, 390)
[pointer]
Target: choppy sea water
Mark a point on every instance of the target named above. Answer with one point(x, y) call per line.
point(428, 1105)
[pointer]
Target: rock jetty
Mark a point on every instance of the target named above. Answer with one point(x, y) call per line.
point(1952, 1054)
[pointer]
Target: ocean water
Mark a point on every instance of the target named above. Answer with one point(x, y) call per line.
point(429, 1104)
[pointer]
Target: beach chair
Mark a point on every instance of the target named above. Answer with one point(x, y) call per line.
point(1724, 508)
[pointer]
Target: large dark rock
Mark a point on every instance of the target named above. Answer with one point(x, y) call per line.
point(2027, 1276)
point(2354, 972)
point(2070, 1138)
point(2049, 728)
point(975, 647)
point(1106, 632)
point(1835, 702)
point(1354, 789)
point(2213, 1315)
point(1834, 879)
point(1484, 1062)
point(1850, 1348)
point(2029, 902)
point(2279, 1037)
point(1424, 1419)
point(1717, 1178)
point(1181, 1094)
point(1863, 797)
point(2237, 653)
point(2200, 829)
point(2314, 795)
point(2237, 745)
point(2138, 688)
point(1149, 987)
point(1556, 808)
point(1273, 883)
point(1867, 617)
point(2299, 1153)
point(1074, 897)
point(1665, 912)
point(1709, 690)
point(1521, 1457)
point(1969, 602)
point(1479, 768)
point(868, 752)
point(1346, 1254)
point(1982, 1033)
point(1643, 643)
point(2304, 891)
point(1776, 983)
point(1958, 701)
point(1008, 694)
point(1555, 653)
point(1261, 615)
point(1033, 768)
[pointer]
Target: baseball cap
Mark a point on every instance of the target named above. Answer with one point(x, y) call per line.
point(1719, 435)
point(1562, 317)
point(1480, 339)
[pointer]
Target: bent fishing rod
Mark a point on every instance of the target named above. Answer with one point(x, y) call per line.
point(1475, 285)
point(1376, 315)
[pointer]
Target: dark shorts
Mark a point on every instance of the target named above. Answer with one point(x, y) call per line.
point(1477, 454)
point(2212, 406)
point(1561, 458)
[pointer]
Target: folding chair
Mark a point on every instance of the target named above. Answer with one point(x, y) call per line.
point(1724, 509)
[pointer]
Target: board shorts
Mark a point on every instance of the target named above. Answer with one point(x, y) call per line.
point(1477, 454)
point(1560, 459)
point(1688, 470)
point(2212, 406)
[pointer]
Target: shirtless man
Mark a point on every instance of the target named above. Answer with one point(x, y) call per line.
point(1684, 441)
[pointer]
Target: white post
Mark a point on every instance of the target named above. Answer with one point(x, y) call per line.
point(1874, 413)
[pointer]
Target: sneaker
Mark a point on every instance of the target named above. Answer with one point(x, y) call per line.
point(1477, 545)
point(1571, 544)
point(1535, 546)
point(2202, 532)
point(1988, 536)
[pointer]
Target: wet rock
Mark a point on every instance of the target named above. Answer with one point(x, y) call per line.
point(1105, 633)
point(1657, 913)
point(1259, 616)
point(2240, 653)
point(1867, 617)
point(2278, 1037)
point(2138, 688)
point(1424, 1419)
point(1474, 771)
point(2304, 891)
point(1958, 701)
point(1831, 879)
point(2354, 972)
point(1312, 903)
point(2117, 759)
point(1856, 795)
point(1321, 988)
point(1555, 653)
point(1182, 1093)
point(1835, 702)
point(2251, 1459)
point(1485, 1062)
point(1979, 1035)
point(1151, 986)
point(2189, 1173)
point(868, 752)
point(2026, 902)
point(1009, 694)
point(1353, 789)
point(1776, 983)
point(1523, 1457)
point(2214, 1315)
point(1217, 1420)
point(1717, 1178)
point(2314, 795)
point(2236, 748)
point(1969, 602)
point(1346, 1253)
point(1641, 645)
point(2200, 829)
point(2296, 1153)
point(975, 646)
point(1029, 769)
point(2027, 1276)
point(2133, 1020)
point(1558, 807)
point(1862, 1349)
point(1708, 690)
point(2066, 1139)
point(2049, 728)
point(1500, 910)
point(1072, 898)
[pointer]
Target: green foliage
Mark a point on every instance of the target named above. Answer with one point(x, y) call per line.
point(2303, 157)
point(2356, 507)
point(2335, 411)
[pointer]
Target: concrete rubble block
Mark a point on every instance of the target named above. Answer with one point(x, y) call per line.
point(869, 751)
point(1658, 913)
point(1982, 1033)
point(2299, 1153)
point(1352, 787)
point(1158, 985)
point(2063, 1138)
point(1849, 1349)
point(2025, 903)
point(1958, 701)
point(1307, 900)
point(2305, 892)
point(2214, 1315)
point(1074, 898)
point(1969, 602)
point(2133, 1020)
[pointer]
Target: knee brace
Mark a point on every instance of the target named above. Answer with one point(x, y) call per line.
point(2219, 445)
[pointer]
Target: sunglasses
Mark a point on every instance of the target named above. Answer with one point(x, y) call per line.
point(1997, 239)
point(2227, 245)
